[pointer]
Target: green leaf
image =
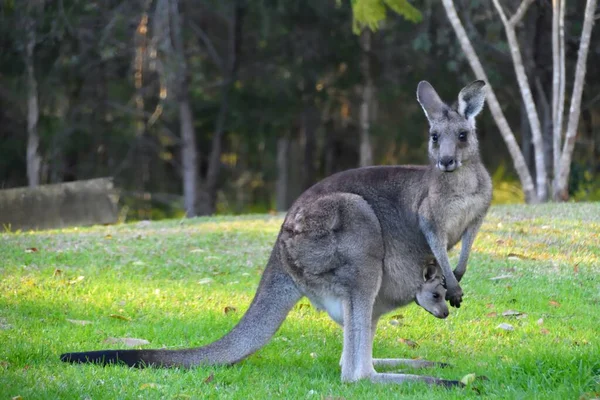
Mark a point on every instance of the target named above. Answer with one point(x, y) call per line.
point(370, 13)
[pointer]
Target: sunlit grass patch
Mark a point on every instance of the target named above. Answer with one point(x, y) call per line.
point(185, 283)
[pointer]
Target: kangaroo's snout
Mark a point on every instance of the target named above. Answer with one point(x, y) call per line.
point(447, 164)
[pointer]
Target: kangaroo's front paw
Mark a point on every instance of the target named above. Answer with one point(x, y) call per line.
point(454, 296)
point(458, 274)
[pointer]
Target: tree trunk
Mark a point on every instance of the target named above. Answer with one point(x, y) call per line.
point(283, 152)
point(189, 152)
point(214, 161)
point(189, 157)
point(525, 88)
point(526, 145)
point(366, 152)
point(560, 189)
point(495, 108)
point(309, 124)
point(558, 82)
point(33, 112)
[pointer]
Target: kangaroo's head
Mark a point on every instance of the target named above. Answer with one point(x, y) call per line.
point(452, 139)
point(432, 294)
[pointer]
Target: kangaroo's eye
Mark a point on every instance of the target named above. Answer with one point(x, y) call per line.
point(436, 295)
point(462, 136)
point(434, 137)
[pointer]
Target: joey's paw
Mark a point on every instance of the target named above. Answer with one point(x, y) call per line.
point(454, 296)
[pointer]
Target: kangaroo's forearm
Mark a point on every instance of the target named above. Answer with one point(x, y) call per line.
point(467, 242)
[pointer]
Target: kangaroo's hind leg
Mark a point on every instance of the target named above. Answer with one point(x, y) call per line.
point(401, 362)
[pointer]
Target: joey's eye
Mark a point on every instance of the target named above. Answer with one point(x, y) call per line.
point(434, 137)
point(436, 295)
point(462, 136)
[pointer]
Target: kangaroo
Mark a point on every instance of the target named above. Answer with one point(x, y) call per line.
point(432, 293)
point(355, 244)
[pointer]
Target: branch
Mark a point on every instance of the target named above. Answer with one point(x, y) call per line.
point(523, 7)
point(497, 53)
point(61, 9)
point(532, 115)
point(561, 188)
point(495, 108)
point(209, 46)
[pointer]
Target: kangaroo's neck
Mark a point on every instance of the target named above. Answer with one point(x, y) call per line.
point(471, 177)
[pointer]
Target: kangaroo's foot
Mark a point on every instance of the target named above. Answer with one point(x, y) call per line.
point(402, 378)
point(394, 362)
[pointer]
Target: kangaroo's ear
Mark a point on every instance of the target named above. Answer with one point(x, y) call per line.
point(471, 99)
point(429, 100)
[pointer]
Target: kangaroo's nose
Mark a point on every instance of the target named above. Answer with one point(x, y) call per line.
point(447, 162)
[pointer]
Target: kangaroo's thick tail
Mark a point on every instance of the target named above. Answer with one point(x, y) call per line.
point(275, 297)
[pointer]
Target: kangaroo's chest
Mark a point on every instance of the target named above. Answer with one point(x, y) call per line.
point(459, 214)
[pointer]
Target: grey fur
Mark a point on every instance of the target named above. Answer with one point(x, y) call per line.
point(356, 245)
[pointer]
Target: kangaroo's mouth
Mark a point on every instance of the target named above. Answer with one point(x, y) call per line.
point(448, 168)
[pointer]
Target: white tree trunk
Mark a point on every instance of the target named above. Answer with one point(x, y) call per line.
point(282, 190)
point(366, 151)
point(525, 88)
point(561, 186)
point(495, 108)
point(558, 81)
point(33, 112)
point(189, 152)
point(189, 157)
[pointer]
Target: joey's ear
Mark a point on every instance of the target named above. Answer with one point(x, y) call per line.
point(429, 272)
point(471, 99)
point(429, 100)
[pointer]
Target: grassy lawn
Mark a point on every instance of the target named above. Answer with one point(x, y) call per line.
point(186, 283)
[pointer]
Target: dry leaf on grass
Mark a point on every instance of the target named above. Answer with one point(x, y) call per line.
point(506, 327)
point(210, 378)
point(79, 321)
point(151, 385)
point(129, 342)
point(496, 278)
point(544, 331)
point(31, 250)
point(554, 303)
point(408, 342)
point(229, 310)
point(4, 325)
point(492, 314)
point(511, 313)
point(468, 379)
point(76, 280)
point(121, 317)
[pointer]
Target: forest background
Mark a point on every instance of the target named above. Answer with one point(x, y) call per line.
point(204, 106)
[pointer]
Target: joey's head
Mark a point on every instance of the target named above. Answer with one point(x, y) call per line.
point(432, 294)
point(452, 139)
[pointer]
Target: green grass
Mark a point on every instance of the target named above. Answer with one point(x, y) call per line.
point(155, 276)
